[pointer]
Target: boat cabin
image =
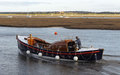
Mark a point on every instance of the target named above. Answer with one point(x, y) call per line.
point(64, 46)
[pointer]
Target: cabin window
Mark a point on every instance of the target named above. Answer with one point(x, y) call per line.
point(71, 46)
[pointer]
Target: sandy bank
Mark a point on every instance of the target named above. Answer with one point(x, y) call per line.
point(77, 23)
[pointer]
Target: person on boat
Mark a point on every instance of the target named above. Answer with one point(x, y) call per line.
point(78, 42)
point(31, 41)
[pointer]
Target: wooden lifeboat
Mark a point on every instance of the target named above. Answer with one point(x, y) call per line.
point(64, 49)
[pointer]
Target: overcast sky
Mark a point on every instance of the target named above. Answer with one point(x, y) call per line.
point(59, 5)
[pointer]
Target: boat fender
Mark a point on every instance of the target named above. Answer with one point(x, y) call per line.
point(75, 58)
point(57, 57)
point(28, 52)
point(39, 54)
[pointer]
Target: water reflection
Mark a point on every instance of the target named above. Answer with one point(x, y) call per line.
point(53, 67)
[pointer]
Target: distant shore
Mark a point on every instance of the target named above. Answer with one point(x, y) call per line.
point(73, 23)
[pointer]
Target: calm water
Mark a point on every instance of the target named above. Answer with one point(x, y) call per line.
point(13, 63)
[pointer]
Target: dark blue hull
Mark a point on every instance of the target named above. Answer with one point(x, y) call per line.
point(84, 55)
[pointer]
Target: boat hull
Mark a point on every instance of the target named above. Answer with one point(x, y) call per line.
point(82, 55)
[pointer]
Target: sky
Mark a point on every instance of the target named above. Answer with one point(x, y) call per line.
point(59, 5)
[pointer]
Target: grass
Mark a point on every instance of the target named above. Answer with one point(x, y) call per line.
point(66, 14)
point(20, 20)
point(75, 23)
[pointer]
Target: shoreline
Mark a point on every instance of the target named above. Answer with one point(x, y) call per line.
point(56, 27)
point(70, 23)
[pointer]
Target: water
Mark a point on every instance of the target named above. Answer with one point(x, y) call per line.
point(99, 17)
point(60, 17)
point(13, 63)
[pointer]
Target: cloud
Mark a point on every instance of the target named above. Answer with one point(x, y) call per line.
point(14, 3)
point(59, 5)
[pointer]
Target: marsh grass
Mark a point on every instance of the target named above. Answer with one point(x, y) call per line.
point(66, 14)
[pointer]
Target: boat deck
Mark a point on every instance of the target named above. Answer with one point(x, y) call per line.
point(80, 50)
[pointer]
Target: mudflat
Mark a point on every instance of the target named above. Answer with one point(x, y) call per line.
point(75, 23)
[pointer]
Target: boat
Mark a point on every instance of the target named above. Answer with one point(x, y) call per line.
point(63, 49)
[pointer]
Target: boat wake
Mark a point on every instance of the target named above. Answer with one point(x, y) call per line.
point(111, 55)
point(104, 67)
